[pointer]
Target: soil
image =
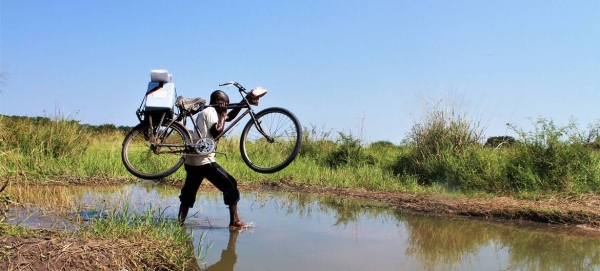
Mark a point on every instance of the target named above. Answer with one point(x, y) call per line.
point(52, 251)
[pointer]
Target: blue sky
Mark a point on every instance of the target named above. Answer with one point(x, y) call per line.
point(369, 68)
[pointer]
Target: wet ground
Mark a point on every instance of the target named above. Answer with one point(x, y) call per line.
point(579, 210)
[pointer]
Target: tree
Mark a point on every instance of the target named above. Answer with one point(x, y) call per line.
point(499, 141)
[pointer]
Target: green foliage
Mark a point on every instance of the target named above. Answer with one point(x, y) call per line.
point(550, 158)
point(384, 154)
point(160, 236)
point(499, 141)
point(553, 158)
point(107, 128)
point(442, 137)
point(382, 144)
point(52, 138)
point(442, 152)
point(316, 144)
point(44, 146)
point(348, 151)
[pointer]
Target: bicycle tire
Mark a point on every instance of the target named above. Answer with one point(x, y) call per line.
point(269, 157)
point(154, 162)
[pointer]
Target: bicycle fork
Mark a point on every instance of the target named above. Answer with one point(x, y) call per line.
point(260, 129)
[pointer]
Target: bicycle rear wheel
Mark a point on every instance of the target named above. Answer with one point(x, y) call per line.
point(154, 161)
point(281, 146)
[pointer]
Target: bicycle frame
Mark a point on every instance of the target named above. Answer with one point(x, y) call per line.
point(233, 123)
point(181, 120)
point(245, 104)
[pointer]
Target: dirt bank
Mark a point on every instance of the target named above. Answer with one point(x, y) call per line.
point(581, 211)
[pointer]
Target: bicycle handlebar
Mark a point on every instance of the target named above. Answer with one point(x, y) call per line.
point(236, 84)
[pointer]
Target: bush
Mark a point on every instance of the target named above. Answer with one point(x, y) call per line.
point(435, 144)
point(348, 151)
point(499, 141)
point(553, 158)
point(316, 145)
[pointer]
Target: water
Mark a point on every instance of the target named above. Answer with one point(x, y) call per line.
point(294, 231)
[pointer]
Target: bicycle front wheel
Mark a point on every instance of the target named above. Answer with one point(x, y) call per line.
point(154, 159)
point(272, 142)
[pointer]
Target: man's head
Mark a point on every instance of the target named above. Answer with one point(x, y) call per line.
point(218, 96)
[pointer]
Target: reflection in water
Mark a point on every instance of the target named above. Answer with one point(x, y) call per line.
point(299, 232)
point(441, 244)
point(228, 256)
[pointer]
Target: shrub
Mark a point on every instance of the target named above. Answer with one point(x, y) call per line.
point(348, 151)
point(553, 158)
point(316, 145)
point(499, 141)
point(435, 143)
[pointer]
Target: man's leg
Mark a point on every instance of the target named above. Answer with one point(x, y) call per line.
point(228, 185)
point(183, 212)
point(193, 179)
point(234, 220)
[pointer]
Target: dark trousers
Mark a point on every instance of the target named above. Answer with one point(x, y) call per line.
point(216, 175)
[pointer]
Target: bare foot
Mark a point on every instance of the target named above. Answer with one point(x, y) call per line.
point(237, 224)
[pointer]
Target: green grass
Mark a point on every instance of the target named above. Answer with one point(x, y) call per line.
point(161, 236)
point(151, 238)
point(444, 152)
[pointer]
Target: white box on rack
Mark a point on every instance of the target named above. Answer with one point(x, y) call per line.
point(160, 76)
point(162, 98)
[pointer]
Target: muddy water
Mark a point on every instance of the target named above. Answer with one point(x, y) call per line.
point(303, 232)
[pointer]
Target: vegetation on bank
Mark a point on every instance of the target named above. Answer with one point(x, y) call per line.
point(446, 152)
point(103, 235)
point(141, 243)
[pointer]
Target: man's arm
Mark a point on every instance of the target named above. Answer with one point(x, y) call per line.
point(233, 113)
point(217, 129)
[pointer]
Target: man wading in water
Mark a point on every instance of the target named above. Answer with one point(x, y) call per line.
point(210, 122)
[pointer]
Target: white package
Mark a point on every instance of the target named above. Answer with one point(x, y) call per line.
point(160, 76)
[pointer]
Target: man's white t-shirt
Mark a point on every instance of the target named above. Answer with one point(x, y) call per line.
point(206, 119)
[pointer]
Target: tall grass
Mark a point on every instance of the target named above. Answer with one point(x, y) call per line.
point(443, 152)
point(41, 146)
point(439, 145)
point(554, 158)
point(446, 149)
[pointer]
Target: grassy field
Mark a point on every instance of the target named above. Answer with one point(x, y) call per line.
point(444, 154)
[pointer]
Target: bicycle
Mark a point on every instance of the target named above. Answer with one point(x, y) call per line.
point(158, 145)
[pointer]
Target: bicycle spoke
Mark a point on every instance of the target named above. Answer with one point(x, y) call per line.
point(147, 160)
point(264, 156)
